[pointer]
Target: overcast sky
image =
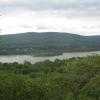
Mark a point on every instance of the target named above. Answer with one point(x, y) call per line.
point(73, 16)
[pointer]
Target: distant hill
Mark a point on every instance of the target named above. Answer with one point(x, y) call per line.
point(47, 42)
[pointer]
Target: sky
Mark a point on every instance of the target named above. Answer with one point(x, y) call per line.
point(72, 16)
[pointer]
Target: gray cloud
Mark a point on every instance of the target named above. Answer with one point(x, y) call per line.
point(92, 27)
point(26, 26)
point(42, 27)
point(91, 7)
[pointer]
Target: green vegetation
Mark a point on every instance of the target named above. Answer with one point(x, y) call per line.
point(70, 79)
point(49, 43)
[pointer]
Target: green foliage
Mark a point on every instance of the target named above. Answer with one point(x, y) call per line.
point(47, 44)
point(73, 79)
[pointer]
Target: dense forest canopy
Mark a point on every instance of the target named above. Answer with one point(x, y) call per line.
point(47, 42)
point(70, 79)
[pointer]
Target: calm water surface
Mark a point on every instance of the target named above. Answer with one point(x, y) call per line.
point(33, 59)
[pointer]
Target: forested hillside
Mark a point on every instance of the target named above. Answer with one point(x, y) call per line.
point(73, 79)
point(48, 42)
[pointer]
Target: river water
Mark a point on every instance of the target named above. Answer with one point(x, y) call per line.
point(33, 59)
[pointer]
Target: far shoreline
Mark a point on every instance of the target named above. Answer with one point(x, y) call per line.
point(49, 54)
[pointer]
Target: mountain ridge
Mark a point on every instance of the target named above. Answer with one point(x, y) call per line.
point(46, 42)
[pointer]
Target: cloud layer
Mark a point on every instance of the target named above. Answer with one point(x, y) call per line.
point(77, 16)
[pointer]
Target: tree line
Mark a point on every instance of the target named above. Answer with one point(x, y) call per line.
point(70, 79)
